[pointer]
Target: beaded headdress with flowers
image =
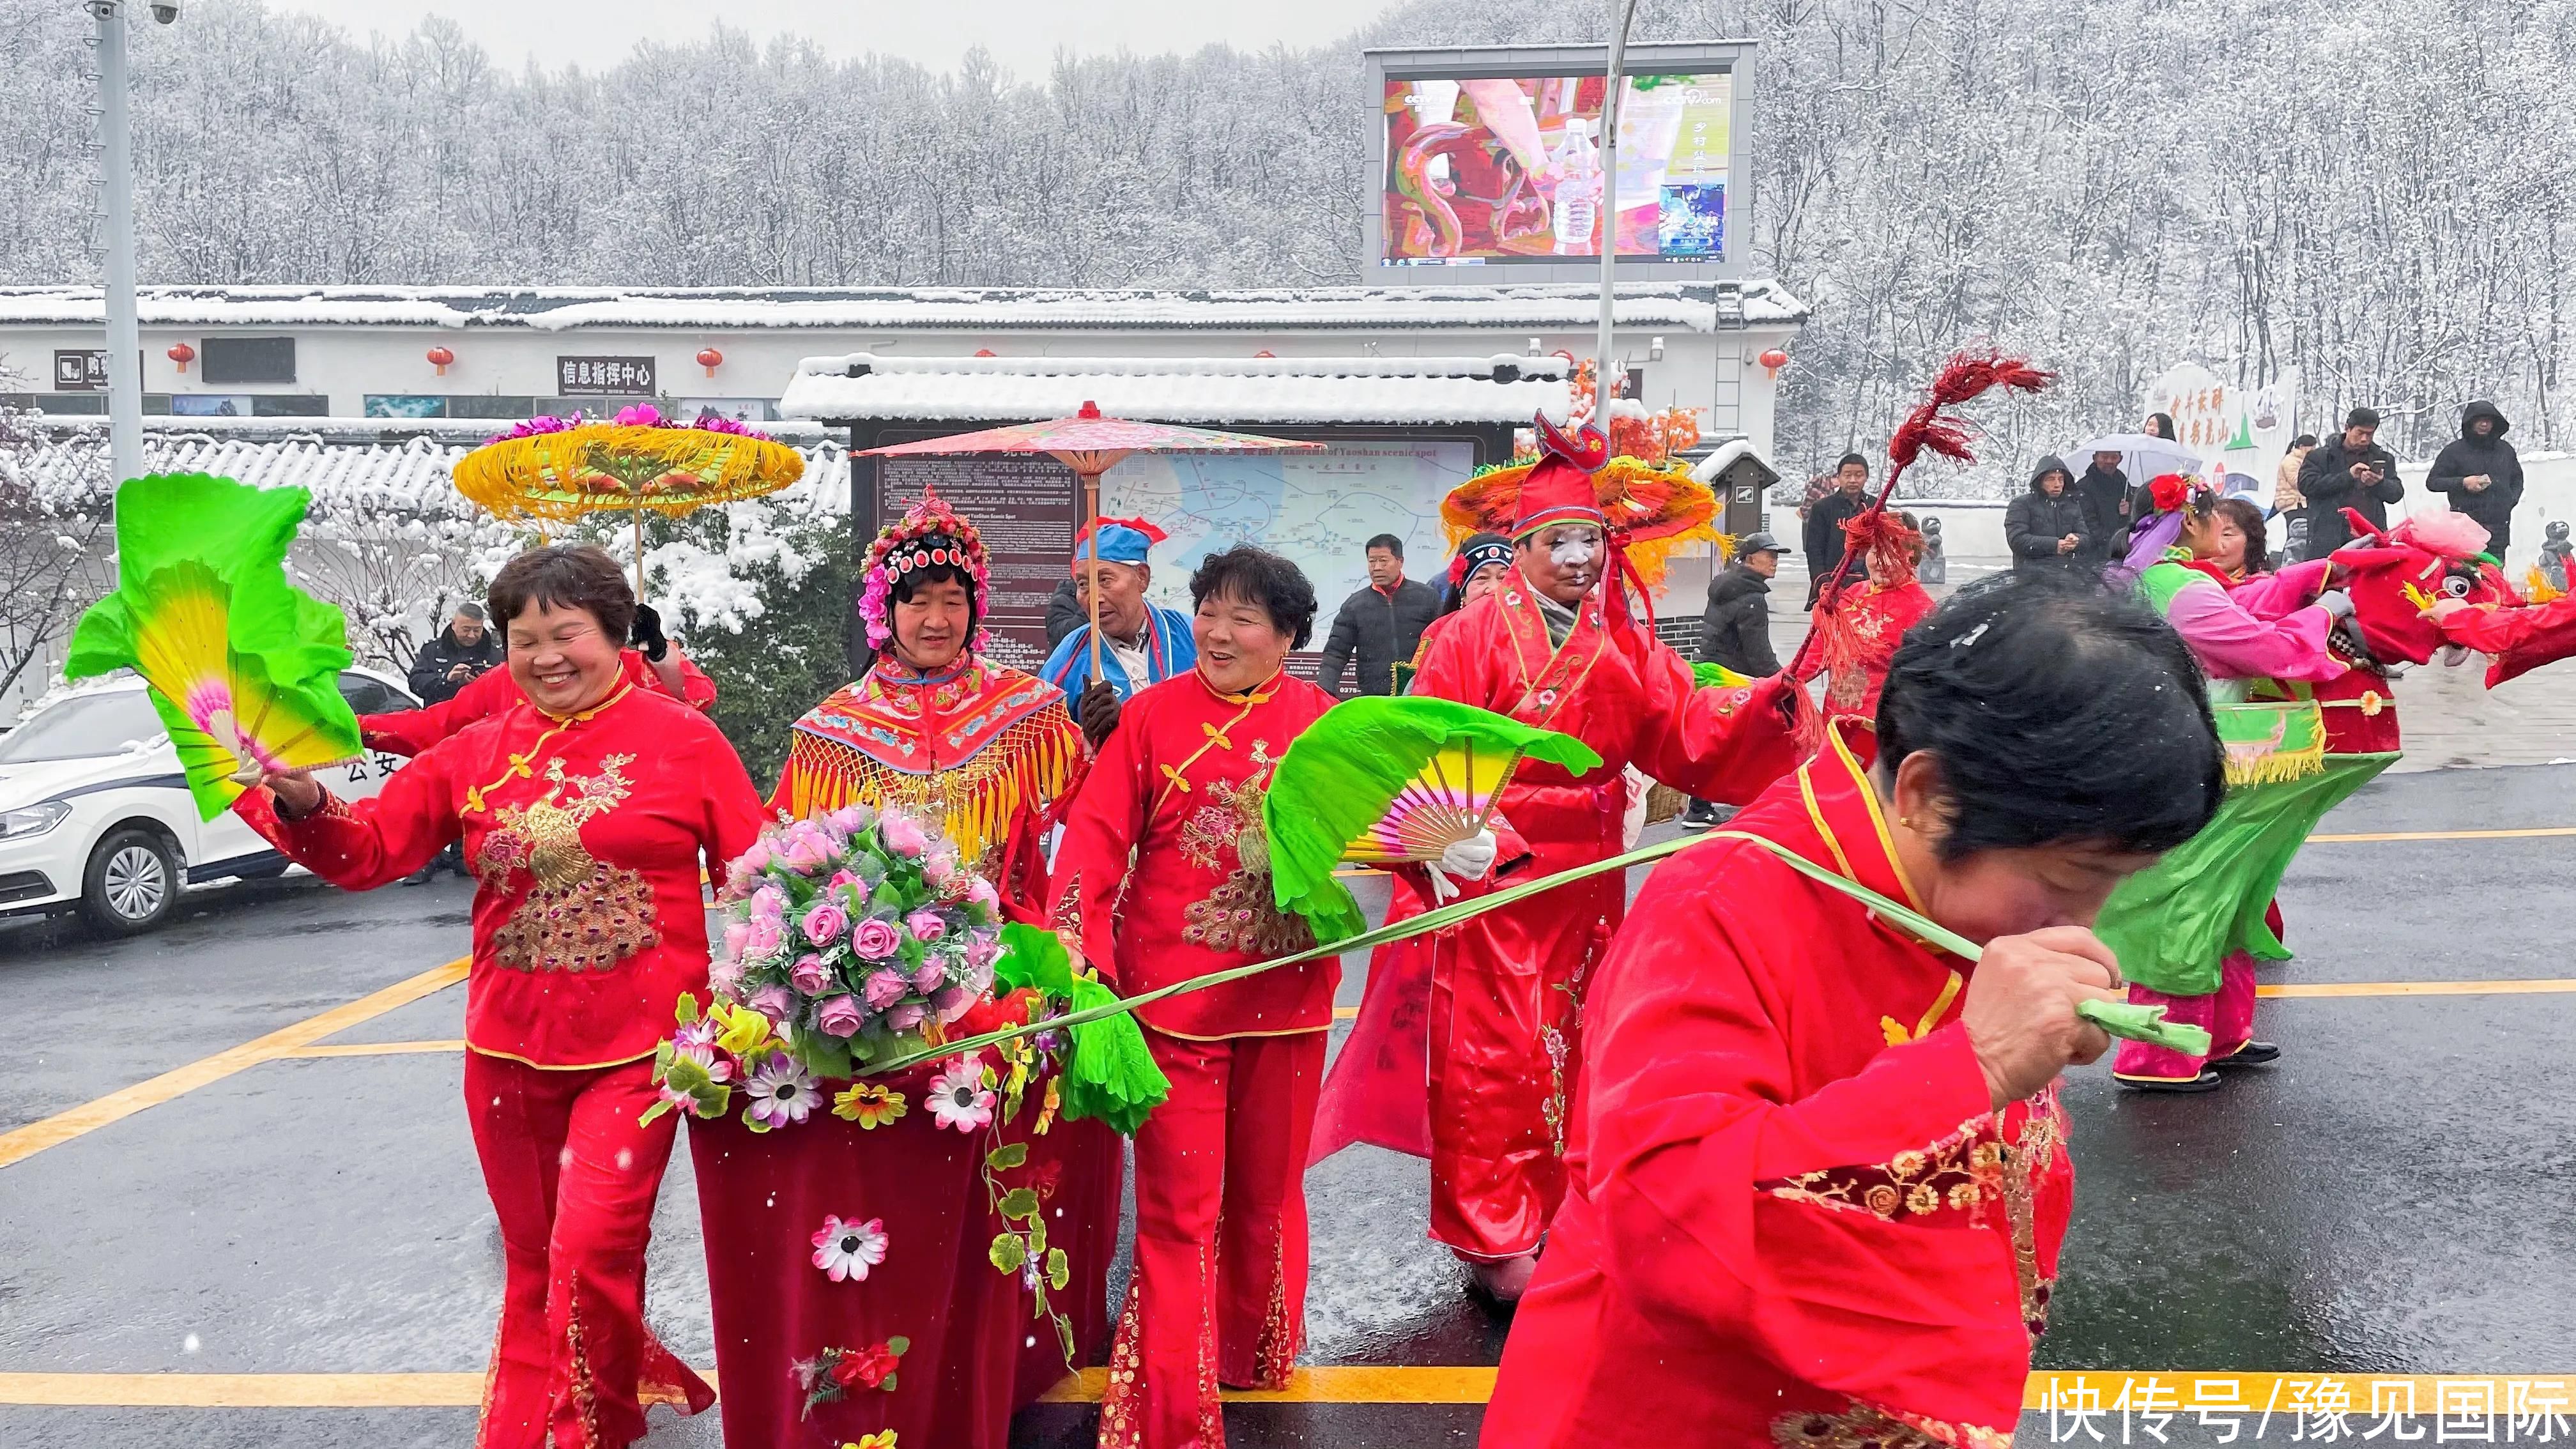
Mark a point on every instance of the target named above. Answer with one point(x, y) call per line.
point(929, 535)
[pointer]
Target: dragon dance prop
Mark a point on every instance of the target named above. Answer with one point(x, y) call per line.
point(1388, 780)
point(242, 666)
point(2173, 923)
point(2123, 1019)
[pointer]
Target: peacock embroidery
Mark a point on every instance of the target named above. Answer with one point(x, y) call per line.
point(1241, 914)
point(579, 914)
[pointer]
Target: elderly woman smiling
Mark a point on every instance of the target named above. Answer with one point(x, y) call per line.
point(1825, 1175)
point(585, 811)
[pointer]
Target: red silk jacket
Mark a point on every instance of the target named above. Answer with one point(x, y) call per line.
point(585, 836)
point(1165, 853)
point(1800, 1220)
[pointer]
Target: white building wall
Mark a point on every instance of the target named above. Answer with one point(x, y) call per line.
point(1714, 372)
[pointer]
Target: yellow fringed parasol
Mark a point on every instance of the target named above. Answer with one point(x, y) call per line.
point(560, 470)
point(1658, 507)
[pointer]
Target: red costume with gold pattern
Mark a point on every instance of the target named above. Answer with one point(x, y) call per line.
point(1801, 1221)
point(408, 732)
point(983, 749)
point(586, 836)
point(1506, 992)
point(1165, 856)
point(1859, 626)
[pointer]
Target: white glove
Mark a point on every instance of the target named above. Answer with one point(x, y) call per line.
point(1469, 859)
point(2336, 602)
point(2453, 656)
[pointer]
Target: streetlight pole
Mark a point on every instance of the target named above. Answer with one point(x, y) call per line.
point(1622, 12)
point(116, 182)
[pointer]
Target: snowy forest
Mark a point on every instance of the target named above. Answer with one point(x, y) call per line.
point(2378, 195)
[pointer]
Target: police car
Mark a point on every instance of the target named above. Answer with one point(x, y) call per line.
point(95, 815)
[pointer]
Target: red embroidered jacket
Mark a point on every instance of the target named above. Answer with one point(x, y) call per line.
point(1800, 1221)
point(1875, 621)
point(980, 749)
point(585, 836)
point(1165, 847)
point(1620, 690)
point(408, 732)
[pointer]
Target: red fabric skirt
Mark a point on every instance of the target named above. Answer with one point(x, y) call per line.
point(977, 1354)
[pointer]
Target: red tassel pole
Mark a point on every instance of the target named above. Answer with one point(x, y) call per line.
point(1964, 378)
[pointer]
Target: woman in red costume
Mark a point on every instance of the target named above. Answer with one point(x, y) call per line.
point(1863, 623)
point(1825, 1174)
point(931, 725)
point(983, 752)
point(653, 663)
point(1390, 1041)
point(1167, 861)
point(586, 811)
point(1558, 646)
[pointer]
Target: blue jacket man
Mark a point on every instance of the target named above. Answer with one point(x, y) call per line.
point(1141, 643)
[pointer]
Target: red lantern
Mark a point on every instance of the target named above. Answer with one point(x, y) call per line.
point(984, 352)
point(1772, 360)
point(182, 354)
point(710, 359)
point(440, 357)
point(1265, 352)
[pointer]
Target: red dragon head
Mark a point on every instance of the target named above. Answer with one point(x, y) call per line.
point(2394, 576)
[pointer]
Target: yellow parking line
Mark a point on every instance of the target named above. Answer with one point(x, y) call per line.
point(372, 1049)
point(2061, 1392)
point(2536, 834)
point(2418, 988)
point(62, 1127)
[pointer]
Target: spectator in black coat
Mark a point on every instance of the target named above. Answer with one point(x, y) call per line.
point(465, 648)
point(2482, 473)
point(1736, 628)
point(2347, 471)
point(1066, 611)
point(2046, 527)
point(2104, 492)
point(1823, 538)
point(1378, 626)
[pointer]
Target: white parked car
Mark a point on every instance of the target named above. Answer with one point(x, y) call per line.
point(95, 815)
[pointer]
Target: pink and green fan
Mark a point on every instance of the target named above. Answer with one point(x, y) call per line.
point(1389, 780)
point(241, 665)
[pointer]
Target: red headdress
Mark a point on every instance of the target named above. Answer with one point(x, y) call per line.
point(930, 534)
point(1647, 510)
point(1559, 487)
point(1965, 377)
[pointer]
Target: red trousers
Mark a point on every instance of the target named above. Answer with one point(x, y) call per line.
point(1506, 1014)
point(2227, 1014)
point(1218, 1294)
point(573, 1180)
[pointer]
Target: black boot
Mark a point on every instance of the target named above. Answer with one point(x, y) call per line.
point(2252, 1054)
point(2207, 1081)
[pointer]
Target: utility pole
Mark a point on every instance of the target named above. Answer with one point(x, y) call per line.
point(1622, 12)
point(116, 185)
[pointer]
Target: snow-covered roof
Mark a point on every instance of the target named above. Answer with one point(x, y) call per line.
point(410, 475)
point(863, 385)
point(468, 431)
point(1727, 454)
point(1677, 306)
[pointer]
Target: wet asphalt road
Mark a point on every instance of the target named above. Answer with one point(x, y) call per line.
point(2399, 1195)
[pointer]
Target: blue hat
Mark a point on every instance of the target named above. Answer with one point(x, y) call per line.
point(1121, 540)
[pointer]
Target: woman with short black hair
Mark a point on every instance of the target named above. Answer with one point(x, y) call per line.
point(1826, 1173)
point(587, 808)
point(1167, 864)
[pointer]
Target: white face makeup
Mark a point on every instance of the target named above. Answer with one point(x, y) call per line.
point(1573, 547)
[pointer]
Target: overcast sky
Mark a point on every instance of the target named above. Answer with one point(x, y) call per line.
point(1022, 34)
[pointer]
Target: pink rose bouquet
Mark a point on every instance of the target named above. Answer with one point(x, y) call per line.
point(858, 935)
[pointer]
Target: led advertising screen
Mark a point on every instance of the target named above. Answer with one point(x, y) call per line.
point(1507, 169)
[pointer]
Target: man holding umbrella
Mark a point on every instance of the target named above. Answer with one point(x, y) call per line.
point(1140, 643)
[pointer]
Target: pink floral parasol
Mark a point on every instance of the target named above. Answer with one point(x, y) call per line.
point(1091, 445)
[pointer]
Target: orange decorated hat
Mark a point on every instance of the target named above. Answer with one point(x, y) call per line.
point(1650, 510)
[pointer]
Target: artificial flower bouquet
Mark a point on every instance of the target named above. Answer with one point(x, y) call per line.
point(859, 937)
